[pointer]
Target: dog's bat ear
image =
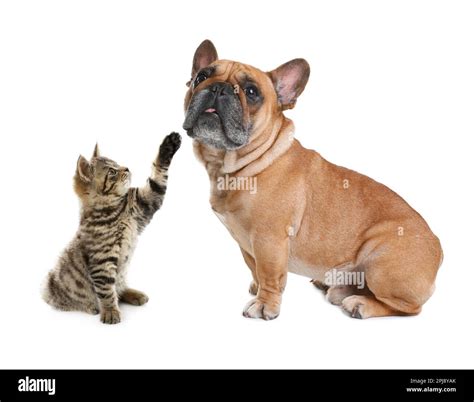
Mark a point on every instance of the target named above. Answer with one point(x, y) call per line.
point(289, 81)
point(205, 54)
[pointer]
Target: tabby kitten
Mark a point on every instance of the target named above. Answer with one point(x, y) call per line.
point(91, 273)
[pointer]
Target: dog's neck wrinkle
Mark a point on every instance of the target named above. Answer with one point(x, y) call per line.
point(212, 158)
point(261, 151)
point(250, 160)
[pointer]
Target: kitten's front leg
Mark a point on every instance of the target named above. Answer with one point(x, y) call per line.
point(148, 199)
point(103, 277)
point(156, 187)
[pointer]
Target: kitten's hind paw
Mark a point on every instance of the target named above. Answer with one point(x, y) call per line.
point(135, 297)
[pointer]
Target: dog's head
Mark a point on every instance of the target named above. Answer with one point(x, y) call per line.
point(227, 102)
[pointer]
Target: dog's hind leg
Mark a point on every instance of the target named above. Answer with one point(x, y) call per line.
point(336, 294)
point(368, 306)
point(400, 276)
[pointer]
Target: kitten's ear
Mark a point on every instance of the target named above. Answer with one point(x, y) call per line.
point(96, 151)
point(205, 54)
point(289, 81)
point(83, 170)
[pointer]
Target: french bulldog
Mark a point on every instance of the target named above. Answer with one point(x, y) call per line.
point(306, 215)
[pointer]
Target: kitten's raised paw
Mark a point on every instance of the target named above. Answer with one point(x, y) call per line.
point(135, 297)
point(110, 316)
point(168, 148)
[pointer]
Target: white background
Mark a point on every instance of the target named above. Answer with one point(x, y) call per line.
point(391, 94)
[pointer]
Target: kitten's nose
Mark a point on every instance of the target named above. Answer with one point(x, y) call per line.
point(126, 170)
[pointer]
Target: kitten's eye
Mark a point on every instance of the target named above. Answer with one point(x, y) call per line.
point(112, 172)
point(200, 78)
point(251, 91)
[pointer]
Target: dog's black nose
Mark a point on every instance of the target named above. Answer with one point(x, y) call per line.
point(222, 88)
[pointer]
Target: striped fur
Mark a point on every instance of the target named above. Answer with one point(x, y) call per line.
point(90, 275)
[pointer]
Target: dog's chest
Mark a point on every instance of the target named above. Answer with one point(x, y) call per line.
point(232, 215)
point(235, 228)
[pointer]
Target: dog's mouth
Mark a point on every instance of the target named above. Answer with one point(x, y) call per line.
point(216, 120)
point(211, 110)
point(212, 116)
point(208, 113)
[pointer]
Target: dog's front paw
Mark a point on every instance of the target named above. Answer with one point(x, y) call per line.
point(253, 288)
point(168, 148)
point(110, 316)
point(259, 309)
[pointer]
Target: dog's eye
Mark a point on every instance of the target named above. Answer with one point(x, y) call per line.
point(251, 91)
point(200, 78)
point(112, 172)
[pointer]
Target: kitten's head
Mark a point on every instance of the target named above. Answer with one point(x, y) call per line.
point(100, 177)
